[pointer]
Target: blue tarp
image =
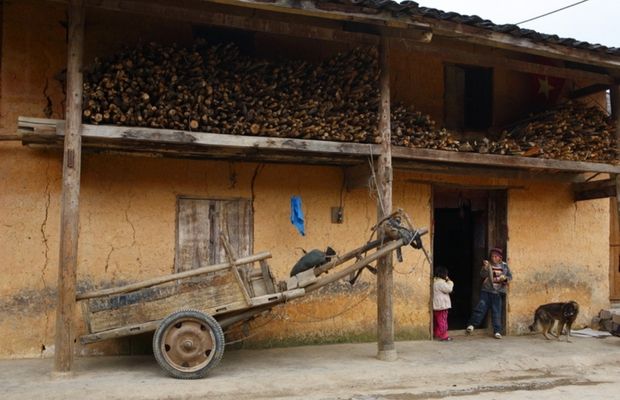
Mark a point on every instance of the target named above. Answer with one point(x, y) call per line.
point(297, 214)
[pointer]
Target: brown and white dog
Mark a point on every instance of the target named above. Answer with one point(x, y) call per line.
point(547, 314)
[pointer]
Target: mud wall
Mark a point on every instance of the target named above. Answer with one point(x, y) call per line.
point(128, 205)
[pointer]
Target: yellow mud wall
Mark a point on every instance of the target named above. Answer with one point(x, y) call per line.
point(416, 80)
point(559, 250)
point(128, 205)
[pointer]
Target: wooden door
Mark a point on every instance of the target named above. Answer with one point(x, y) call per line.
point(614, 251)
point(200, 223)
point(497, 235)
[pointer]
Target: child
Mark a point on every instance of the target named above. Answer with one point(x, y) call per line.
point(496, 275)
point(442, 287)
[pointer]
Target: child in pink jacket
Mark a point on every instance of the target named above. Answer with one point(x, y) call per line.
point(442, 287)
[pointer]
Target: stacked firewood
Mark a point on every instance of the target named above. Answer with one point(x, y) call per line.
point(571, 131)
point(217, 89)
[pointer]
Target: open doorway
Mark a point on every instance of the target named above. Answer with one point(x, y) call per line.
point(466, 223)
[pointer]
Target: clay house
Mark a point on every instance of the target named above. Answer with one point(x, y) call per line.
point(134, 132)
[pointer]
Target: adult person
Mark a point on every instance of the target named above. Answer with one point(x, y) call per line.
point(496, 275)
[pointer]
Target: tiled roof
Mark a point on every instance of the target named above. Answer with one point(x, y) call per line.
point(412, 9)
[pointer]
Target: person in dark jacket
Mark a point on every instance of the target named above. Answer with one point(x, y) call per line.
point(496, 275)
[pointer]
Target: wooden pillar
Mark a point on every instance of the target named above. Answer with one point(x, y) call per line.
point(615, 113)
point(614, 215)
point(385, 279)
point(67, 265)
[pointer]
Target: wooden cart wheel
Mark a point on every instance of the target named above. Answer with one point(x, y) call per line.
point(188, 343)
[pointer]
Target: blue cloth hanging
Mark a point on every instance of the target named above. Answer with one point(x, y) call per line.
point(297, 215)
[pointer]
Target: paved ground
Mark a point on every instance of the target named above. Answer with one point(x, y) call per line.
point(468, 368)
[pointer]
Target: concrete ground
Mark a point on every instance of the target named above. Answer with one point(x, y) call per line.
point(477, 367)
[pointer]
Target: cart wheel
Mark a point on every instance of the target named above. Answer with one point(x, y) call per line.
point(188, 343)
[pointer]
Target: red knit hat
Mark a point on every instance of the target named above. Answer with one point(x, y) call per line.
point(496, 250)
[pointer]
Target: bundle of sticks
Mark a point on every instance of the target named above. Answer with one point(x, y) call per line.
point(217, 89)
point(570, 131)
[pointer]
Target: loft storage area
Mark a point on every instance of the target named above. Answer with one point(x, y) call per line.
point(205, 98)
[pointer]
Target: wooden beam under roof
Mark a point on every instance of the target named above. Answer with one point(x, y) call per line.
point(588, 90)
point(221, 146)
point(487, 59)
point(486, 37)
point(594, 189)
point(342, 30)
point(448, 29)
point(331, 26)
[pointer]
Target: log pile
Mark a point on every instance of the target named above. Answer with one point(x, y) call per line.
point(571, 131)
point(217, 89)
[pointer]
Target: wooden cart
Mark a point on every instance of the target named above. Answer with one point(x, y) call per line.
point(189, 311)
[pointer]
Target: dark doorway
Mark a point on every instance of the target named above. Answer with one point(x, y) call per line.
point(460, 230)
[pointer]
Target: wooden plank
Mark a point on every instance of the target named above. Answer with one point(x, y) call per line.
point(130, 330)
point(486, 58)
point(454, 96)
point(69, 217)
point(218, 293)
point(614, 251)
point(486, 37)
point(403, 154)
point(268, 279)
point(197, 143)
point(615, 112)
point(281, 22)
point(193, 248)
point(451, 170)
point(366, 15)
point(448, 29)
point(243, 285)
point(170, 278)
point(385, 279)
point(588, 90)
point(594, 189)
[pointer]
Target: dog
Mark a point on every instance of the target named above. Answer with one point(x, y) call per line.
point(547, 314)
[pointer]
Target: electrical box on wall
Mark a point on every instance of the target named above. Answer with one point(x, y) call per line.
point(337, 215)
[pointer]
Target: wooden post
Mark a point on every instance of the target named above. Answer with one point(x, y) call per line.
point(67, 265)
point(615, 113)
point(385, 279)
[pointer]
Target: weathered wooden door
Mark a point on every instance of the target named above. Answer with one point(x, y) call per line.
point(200, 223)
point(497, 235)
point(614, 251)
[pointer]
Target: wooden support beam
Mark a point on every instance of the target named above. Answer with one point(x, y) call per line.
point(296, 24)
point(175, 143)
point(588, 90)
point(385, 279)
point(69, 218)
point(615, 113)
point(486, 37)
point(486, 58)
point(594, 189)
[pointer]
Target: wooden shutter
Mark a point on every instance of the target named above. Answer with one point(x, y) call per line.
point(454, 96)
point(200, 223)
